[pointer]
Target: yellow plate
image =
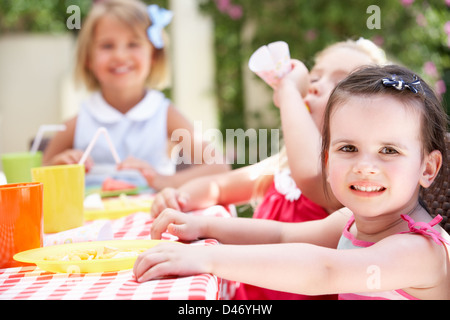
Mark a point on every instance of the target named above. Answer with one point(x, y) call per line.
point(115, 208)
point(38, 255)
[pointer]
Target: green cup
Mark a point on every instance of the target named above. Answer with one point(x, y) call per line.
point(17, 166)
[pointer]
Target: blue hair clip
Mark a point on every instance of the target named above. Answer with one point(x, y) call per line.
point(400, 84)
point(160, 18)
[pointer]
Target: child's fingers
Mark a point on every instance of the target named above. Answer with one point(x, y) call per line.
point(182, 201)
point(155, 272)
point(161, 223)
point(171, 198)
point(146, 266)
point(158, 205)
point(71, 156)
point(167, 198)
point(178, 230)
point(159, 261)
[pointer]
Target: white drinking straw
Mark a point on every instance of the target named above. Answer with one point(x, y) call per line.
point(40, 134)
point(91, 145)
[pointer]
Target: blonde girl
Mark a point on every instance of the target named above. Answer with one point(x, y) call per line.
point(383, 140)
point(122, 56)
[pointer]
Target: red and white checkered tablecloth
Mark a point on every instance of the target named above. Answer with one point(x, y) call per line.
point(31, 282)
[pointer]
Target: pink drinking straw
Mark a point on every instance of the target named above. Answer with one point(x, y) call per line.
point(91, 145)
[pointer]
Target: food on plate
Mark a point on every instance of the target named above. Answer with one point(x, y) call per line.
point(103, 252)
point(110, 184)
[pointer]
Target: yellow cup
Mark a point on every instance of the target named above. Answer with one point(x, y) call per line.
point(63, 196)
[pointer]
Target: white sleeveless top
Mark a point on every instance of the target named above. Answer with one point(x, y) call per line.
point(141, 133)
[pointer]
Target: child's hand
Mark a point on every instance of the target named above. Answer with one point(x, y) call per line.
point(168, 198)
point(300, 76)
point(170, 259)
point(72, 156)
point(297, 78)
point(133, 163)
point(185, 226)
point(153, 178)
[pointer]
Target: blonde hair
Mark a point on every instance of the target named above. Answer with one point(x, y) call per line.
point(132, 13)
point(367, 47)
point(279, 161)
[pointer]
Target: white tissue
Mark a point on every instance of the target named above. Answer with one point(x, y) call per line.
point(271, 62)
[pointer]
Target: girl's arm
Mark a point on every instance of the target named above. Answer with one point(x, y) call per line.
point(302, 138)
point(176, 121)
point(232, 187)
point(325, 232)
point(401, 261)
point(392, 264)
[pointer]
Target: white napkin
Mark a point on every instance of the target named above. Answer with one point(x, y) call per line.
point(271, 62)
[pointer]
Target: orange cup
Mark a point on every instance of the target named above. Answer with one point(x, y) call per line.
point(21, 220)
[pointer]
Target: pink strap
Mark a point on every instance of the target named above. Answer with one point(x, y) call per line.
point(425, 228)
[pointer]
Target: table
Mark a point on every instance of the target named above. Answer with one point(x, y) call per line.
point(31, 282)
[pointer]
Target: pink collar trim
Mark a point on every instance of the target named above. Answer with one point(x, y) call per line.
point(422, 228)
point(352, 238)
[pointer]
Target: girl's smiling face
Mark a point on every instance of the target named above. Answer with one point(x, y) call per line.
point(375, 160)
point(120, 57)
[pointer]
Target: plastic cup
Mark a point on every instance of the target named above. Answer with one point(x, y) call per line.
point(17, 166)
point(21, 213)
point(63, 196)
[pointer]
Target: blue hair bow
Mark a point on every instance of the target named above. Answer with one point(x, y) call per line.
point(400, 84)
point(160, 18)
